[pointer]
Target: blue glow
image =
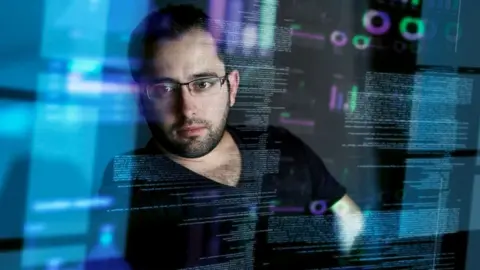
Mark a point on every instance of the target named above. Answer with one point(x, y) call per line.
point(85, 66)
point(106, 239)
point(57, 205)
point(14, 120)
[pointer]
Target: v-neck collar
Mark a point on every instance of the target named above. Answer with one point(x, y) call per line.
point(153, 149)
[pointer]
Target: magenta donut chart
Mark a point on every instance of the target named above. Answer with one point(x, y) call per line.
point(376, 30)
point(338, 38)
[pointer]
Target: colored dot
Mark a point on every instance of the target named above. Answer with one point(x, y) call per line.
point(419, 25)
point(315, 205)
point(296, 26)
point(361, 42)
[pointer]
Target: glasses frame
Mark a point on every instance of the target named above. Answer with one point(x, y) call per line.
point(179, 85)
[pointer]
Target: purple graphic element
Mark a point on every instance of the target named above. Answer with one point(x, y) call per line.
point(286, 209)
point(376, 30)
point(307, 35)
point(338, 38)
point(340, 102)
point(217, 13)
point(307, 123)
point(333, 97)
point(234, 27)
point(314, 207)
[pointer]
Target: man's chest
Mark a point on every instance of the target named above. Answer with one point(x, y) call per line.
point(290, 182)
point(226, 171)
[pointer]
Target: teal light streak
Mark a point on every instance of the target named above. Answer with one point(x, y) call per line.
point(268, 16)
point(353, 98)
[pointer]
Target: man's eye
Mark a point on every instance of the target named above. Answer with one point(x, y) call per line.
point(203, 84)
point(165, 87)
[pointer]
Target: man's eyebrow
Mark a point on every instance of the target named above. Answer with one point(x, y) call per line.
point(204, 74)
point(162, 79)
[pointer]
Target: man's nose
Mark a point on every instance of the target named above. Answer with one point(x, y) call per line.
point(186, 103)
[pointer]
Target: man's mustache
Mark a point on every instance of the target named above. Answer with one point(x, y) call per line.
point(190, 122)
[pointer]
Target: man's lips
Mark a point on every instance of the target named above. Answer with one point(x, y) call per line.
point(191, 131)
point(190, 128)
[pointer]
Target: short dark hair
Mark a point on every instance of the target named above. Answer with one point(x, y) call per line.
point(167, 23)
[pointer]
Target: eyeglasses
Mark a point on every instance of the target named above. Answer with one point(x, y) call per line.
point(199, 87)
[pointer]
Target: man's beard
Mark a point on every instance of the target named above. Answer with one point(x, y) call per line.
point(192, 147)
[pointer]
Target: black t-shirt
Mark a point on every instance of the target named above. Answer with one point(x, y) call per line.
point(165, 216)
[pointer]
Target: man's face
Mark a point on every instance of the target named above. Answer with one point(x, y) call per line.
point(186, 125)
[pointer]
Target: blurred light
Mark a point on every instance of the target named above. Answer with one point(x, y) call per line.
point(14, 119)
point(249, 38)
point(296, 26)
point(217, 13)
point(85, 66)
point(353, 98)
point(234, 25)
point(76, 84)
point(268, 17)
point(57, 205)
point(106, 239)
point(106, 235)
point(34, 228)
point(54, 263)
point(340, 101)
point(333, 97)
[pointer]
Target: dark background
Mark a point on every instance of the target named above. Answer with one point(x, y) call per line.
point(55, 144)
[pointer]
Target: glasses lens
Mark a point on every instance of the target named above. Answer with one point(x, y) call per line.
point(160, 90)
point(205, 86)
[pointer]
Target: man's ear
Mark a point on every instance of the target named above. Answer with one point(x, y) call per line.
point(234, 81)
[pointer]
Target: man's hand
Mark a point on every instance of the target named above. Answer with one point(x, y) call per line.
point(350, 221)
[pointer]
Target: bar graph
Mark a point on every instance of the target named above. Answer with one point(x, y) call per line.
point(341, 101)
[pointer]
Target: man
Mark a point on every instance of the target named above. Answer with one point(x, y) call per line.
point(201, 193)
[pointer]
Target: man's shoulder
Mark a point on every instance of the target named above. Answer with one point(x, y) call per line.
point(271, 135)
point(270, 131)
point(127, 164)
